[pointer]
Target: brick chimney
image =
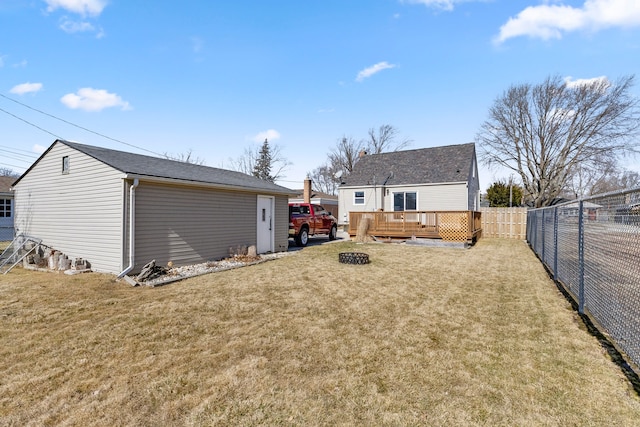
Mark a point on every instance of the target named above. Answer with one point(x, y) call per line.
point(307, 190)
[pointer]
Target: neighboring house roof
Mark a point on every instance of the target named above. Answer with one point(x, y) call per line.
point(5, 183)
point(433, 165)
point(299, 194)
point(155, 167)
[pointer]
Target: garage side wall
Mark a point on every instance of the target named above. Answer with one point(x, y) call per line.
point(78, 213)
point(189, 225)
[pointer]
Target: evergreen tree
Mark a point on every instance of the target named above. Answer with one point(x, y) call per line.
point(262, 168)
point(498, 195)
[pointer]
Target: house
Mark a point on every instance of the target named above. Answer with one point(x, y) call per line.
point(307, 195)
point(119, 210)
point(428, 179)
point(6, 208)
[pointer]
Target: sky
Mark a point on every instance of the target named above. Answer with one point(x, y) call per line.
point(218, 77)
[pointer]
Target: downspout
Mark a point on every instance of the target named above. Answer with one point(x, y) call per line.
point(132, 228)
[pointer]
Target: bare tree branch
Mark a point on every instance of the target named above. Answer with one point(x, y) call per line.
point(549, 131)
point(346, 153)
point(384, 140)
point(325, 179)
point(186, 157)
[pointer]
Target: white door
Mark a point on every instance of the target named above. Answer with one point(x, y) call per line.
point(264, 241)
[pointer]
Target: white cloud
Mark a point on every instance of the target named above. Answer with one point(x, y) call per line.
point(23, 88)
point(270, 135)
point(69, 26)
point(549, 21)
point(370, 71)
point(571, 83)
point(197, 44)
point(37, 148)
point(438, 4)
point(90, 99)
point(81, 7)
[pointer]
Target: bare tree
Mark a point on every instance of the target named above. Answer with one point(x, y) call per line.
point(9, 172)
point(186, 157)
point(248, 161)
point(546, 132)
point(385, 139)
point(324, 179)
point(345, 154)
point(588, 181)
point(620, 180)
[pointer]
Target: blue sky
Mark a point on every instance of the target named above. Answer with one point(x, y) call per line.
point(216, 77)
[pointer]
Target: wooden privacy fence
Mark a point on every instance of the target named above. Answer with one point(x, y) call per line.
point(506, 223)
point(457, 226)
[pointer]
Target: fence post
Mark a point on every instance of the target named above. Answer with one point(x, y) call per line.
point(544, 211)
point(580, 258)
point(555, 243)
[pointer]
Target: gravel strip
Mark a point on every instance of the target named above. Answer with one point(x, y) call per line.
point(193, 270)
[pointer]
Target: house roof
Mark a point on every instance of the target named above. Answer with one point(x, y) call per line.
point(299, 194)
point(5, 183)
point(451, 163)
point(156, 167)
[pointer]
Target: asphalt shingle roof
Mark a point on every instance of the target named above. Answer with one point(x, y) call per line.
point(433, 165)
point(155, 167)
point(5, 183)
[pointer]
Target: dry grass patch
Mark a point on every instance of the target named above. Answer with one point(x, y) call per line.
point(420, 336)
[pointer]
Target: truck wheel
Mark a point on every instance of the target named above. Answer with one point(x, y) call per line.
point(303, 237)
point(333, 233)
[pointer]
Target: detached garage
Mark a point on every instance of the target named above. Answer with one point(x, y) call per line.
point(119, 210)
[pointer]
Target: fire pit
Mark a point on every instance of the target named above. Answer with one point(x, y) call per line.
point(353, 258)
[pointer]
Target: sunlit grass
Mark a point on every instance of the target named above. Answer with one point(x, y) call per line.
point(420, 336)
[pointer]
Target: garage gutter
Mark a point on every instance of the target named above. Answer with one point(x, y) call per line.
point(132, 228)
point(204, 184)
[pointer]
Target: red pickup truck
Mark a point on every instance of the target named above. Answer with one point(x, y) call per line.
point(306, 219)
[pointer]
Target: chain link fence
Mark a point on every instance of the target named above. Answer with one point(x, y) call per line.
point(592, 248)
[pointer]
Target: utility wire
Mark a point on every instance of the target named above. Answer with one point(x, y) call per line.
point(15, 150)
point(10, 165)
point(69, 123)
point(18, 153)
point(9, 156)
point(29, 123)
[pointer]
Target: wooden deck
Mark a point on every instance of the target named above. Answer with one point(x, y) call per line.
point(455, 226)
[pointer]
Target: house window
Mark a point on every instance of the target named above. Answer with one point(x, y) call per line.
point(358, 198)
point(5, 208)
point(65, 164)
point(405, 201)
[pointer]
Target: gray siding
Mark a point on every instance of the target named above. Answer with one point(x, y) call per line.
point(188, 225)
point(438, 197)
point(79, 213)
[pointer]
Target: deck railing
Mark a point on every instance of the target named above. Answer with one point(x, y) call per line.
point(457, 226)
